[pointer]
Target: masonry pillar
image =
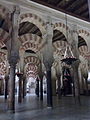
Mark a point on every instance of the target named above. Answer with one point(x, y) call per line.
point(48, 59)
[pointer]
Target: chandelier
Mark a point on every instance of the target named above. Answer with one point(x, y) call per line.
point(68, 55)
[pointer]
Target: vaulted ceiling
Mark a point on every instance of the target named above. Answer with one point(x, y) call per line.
point(78, 8)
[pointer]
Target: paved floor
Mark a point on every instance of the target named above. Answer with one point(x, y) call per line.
point(33, 109)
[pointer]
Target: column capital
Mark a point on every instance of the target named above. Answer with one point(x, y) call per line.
point(13, 60)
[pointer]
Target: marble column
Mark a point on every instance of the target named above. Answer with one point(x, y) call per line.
point(6, 86)
point(13, 56)
point(11, 97)
point(54, 78)
point(20, 92)
point(1, 86)
point(41, 87)
point(49, 88)
point(74, 46)
point(48, 59)
point(76, 81)
point(81, 83)
point(59, 86)
point(53, 86)
point(24, 86)
point(37, 87)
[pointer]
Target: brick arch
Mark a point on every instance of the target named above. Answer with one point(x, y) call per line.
point(31, 41)
point(62, 28)
point(36, 20)
point(4, 36)
point(4, 11)
point(32, 59)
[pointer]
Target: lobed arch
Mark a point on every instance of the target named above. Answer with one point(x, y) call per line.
point(32, 18)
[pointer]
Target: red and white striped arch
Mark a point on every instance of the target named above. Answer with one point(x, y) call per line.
point(85, 35)
point(62, 28)
point(31, 41)
point(31, 70)
point(32, 18)
point(59, 47)
point(32, 59)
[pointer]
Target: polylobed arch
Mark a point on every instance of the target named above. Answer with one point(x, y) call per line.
point(32, 18)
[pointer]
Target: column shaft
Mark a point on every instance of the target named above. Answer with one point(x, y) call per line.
point(11, 97)
point(37, 88)
point(41, 89)
point(59, 86)
point(49, 89)
point(20, 94)
point(6, 86)
point(76, 83)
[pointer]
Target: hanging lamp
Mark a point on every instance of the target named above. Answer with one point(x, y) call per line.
point(68, 55)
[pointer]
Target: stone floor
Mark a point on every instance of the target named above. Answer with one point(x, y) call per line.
point(33, 109)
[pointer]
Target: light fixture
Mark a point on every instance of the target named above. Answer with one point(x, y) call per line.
point(68, 55)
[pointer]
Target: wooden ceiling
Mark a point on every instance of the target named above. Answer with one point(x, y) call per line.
point(77, 8)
